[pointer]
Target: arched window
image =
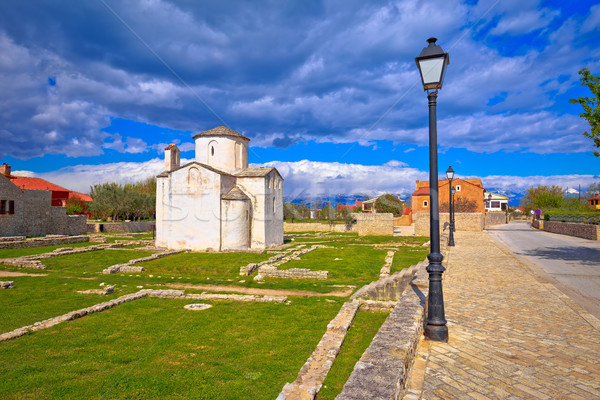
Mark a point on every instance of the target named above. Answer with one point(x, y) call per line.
point(273, 205)
point(193, 176)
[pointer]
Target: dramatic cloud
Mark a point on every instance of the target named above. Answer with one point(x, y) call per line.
point(330, 72)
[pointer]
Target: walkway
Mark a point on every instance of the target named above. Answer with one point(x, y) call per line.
point(512, 335)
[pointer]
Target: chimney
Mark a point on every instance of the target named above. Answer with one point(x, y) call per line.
point(417, 185)
point(171, 157)
point(5, 169)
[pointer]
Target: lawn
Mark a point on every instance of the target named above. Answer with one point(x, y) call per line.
point(153, 348)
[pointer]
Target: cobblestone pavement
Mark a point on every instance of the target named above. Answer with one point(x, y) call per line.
point(511, 334)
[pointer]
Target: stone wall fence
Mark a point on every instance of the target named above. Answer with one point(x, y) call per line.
point(463, 222)
point(495, 218)
point(378, 224)
point(317, 227)
point(585, 231)
point(120, 227)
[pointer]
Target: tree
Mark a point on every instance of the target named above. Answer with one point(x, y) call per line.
point(591, 106)
point(591, 190)
point(543, 197)
point(389, 204)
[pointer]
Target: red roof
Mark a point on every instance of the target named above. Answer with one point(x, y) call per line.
point(23, 182)
point(421, 191)
point(80, 196)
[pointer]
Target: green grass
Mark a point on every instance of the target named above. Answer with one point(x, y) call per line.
point(153, 348)
point(37, 298)
point(203, 265)
point(359, 337)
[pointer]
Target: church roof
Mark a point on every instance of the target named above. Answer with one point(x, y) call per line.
point(235, 194)
point(208, 167)
point(255, 172)
point(220, 131)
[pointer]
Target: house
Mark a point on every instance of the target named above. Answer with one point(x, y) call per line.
point(496, 202)
point(467, 191)
point(349, 207)
point(594, 202)
point(217, 202)
point(30, 212)
point(59, 196)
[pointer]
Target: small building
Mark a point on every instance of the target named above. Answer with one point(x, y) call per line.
point(466, 190)
point(594, 202)
point(217, 202)
point(349, 207)
point(496, 202)
point(30, 212)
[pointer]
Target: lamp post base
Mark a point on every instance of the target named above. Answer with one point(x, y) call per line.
point(438, 333)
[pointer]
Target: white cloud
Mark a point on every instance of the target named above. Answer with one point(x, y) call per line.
point(525, 22)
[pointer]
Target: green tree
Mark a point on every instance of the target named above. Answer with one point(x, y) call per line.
point(543, 197)
point(389, 203)
point(591, 106)
point(591, 190)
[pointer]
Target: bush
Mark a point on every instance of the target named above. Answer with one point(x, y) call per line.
point(389, 204)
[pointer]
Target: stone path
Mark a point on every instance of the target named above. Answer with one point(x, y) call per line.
point(511, 335)
point(268, 292)
point(313, 372)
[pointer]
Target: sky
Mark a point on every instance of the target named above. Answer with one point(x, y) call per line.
point(327, 91)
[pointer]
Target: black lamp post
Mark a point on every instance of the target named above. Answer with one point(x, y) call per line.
point(432, 64)
point(450, 176)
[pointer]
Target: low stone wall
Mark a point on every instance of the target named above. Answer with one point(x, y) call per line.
point(463, 222)
point(495, 218)
point(377, 224)
point(585, 231)
point(317, 227)
point(129, 267)
point(7, 284)
point(118, 227)
point(384, 368)
point(388, 288)
point(44, 241)
point(268, 271)
point(537, 223)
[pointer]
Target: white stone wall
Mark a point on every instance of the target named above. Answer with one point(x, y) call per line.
point(255, 190)
point(189, 210)
point(235, 224)
point(224, 153)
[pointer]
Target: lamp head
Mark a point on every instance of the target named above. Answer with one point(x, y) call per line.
point(432, 63)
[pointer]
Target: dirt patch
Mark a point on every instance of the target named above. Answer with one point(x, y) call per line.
point(11, 273)
point(267, 292)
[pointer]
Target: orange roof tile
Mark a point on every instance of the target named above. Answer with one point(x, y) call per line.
point(23, 182)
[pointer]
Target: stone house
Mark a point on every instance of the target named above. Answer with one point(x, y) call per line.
point(467, 189)
point(217, 202)
point(28, 212)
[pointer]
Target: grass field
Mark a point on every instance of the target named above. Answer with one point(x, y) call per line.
point(153, 348)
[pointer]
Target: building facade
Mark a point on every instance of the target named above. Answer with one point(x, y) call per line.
point(217, 202)
point(467, 191)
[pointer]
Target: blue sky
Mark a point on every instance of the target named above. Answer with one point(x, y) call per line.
point(328, 91)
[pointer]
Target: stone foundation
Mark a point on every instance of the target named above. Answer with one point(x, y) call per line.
point(51, 240)
point(128, 267)
point(7, 284)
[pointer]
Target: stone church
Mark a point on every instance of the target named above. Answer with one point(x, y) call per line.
point(217, 202)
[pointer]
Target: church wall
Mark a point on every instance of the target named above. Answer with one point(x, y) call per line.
point(221, 152)
point(255, 189)
point(273, 210)
point(235, 231)
point(191, 210)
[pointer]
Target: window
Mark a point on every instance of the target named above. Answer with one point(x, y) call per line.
point(11, 207)
point(273, 205)
point(425, 203)
point(2, 206)
point(457, 188)
point(212, 150)
point(495, 204)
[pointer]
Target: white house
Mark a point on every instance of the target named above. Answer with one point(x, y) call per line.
point(496, 202)
point(216, 202)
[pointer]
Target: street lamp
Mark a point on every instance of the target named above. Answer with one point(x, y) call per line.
point(450, 176)
point(432, 63)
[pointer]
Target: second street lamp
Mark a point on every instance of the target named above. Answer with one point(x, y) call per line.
point(450, 176)
point(432, 64)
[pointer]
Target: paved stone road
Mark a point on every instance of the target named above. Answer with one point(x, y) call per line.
point(511, 335)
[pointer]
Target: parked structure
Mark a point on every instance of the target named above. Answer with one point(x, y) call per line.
point(217, 202)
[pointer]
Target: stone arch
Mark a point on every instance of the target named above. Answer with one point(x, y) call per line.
point(193, 176)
